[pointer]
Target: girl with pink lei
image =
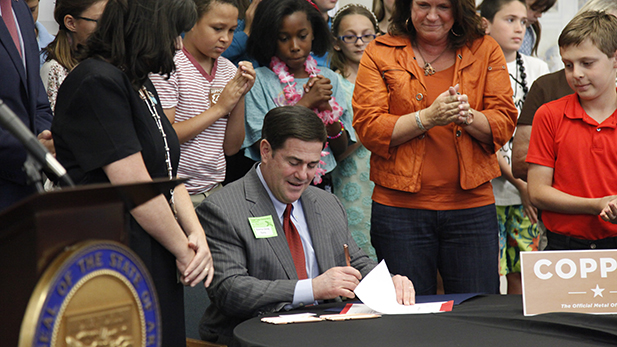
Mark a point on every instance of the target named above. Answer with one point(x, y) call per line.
point(204, 97)
point(284, 34)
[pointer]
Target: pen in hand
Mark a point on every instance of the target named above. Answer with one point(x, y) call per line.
point(347, 258)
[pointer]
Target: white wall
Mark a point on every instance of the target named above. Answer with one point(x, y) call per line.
point(552, 22)
point(46, 15)
point(367, 3)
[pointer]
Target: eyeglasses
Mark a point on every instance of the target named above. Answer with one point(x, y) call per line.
point(353, 38)
point(88, 19)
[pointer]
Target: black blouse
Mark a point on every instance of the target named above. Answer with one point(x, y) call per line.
point(101, 119)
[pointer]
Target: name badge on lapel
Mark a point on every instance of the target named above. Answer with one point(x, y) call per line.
point(263, 227)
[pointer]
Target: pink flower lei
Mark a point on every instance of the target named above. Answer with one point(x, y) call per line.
point(293, 96)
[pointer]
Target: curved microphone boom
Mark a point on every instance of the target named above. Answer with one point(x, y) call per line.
point(15, 126)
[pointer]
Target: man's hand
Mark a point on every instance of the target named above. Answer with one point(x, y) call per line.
point(405, 292)
point(338, 281)
point(46, 140)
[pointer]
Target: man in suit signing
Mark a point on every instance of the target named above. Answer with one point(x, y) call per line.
point(258, 268)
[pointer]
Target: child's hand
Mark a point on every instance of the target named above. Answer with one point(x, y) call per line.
point(317, 93)
point(239, 85)
point(529, 209)
point(247, 72)
point(249, 15)
point(609, 212)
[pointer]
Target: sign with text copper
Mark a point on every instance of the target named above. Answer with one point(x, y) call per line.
point(569, 281)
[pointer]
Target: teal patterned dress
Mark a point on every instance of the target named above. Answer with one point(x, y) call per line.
point(353, 187)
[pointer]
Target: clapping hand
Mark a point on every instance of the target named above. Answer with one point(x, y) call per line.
point(449, 107)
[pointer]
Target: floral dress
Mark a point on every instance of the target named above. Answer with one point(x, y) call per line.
point(353, 187)
point(53, 74)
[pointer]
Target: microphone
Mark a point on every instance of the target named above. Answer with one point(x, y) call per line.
point(15, 126)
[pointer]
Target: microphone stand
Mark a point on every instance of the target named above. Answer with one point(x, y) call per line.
point(37, 153)
point(32, 168)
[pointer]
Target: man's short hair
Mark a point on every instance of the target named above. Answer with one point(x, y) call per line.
point(597, 26)
point(297, 122)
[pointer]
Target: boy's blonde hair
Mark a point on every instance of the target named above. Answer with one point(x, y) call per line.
point(597, 26)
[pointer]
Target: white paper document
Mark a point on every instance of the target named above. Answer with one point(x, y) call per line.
point(376, 290)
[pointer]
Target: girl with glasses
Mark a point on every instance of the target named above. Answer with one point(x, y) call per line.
point(353, 27)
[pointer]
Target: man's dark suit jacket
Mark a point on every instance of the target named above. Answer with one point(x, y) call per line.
point(22, 91)
point(256, 276)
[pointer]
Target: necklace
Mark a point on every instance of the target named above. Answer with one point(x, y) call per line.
point(520, 72)
point(521, 69)
point(429, 70)
point(150, 101)
point(292, 96)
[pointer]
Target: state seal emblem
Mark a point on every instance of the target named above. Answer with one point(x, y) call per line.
point(95, 293)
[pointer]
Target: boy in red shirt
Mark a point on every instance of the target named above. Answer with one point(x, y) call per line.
point(571, 153)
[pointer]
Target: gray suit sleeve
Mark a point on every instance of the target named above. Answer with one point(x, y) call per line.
point(244, 284)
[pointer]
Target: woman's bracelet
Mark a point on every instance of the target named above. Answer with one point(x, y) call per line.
point(340, 132)
point(419, 122)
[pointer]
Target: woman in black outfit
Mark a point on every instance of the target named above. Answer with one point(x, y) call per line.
point(109, 127)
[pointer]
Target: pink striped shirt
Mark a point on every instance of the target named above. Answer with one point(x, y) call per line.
point(189, 89)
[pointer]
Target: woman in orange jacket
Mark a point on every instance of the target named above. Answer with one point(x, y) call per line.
point(433, 104)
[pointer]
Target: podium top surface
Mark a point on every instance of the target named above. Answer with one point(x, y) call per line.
point(131, 195)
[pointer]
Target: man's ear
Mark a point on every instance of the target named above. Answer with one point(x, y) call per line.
point(615, 60)
point(69, 22)
point(486, 25)
point(265, 150)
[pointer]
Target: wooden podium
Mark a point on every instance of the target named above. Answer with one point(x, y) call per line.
point(37, 229)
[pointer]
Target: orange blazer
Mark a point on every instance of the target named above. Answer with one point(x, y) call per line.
point(391, 84)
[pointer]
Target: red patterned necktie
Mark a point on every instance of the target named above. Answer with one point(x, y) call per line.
point(9, 21)
point(295, 243)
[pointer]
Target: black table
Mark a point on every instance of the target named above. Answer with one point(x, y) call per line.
point(486, 320)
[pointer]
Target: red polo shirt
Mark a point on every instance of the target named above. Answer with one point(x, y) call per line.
point(583, 155)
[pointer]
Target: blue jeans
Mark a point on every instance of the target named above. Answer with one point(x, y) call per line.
point(462, 244)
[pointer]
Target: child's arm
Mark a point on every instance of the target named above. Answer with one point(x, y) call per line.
point(350, 149)
point(249, 15)
point(235, 90)
point(520, 146)
point(506, 172)
point(234, 133)
point(338, 144)
point(545, 197)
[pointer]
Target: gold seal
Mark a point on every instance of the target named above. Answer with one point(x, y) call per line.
point(96, 293)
